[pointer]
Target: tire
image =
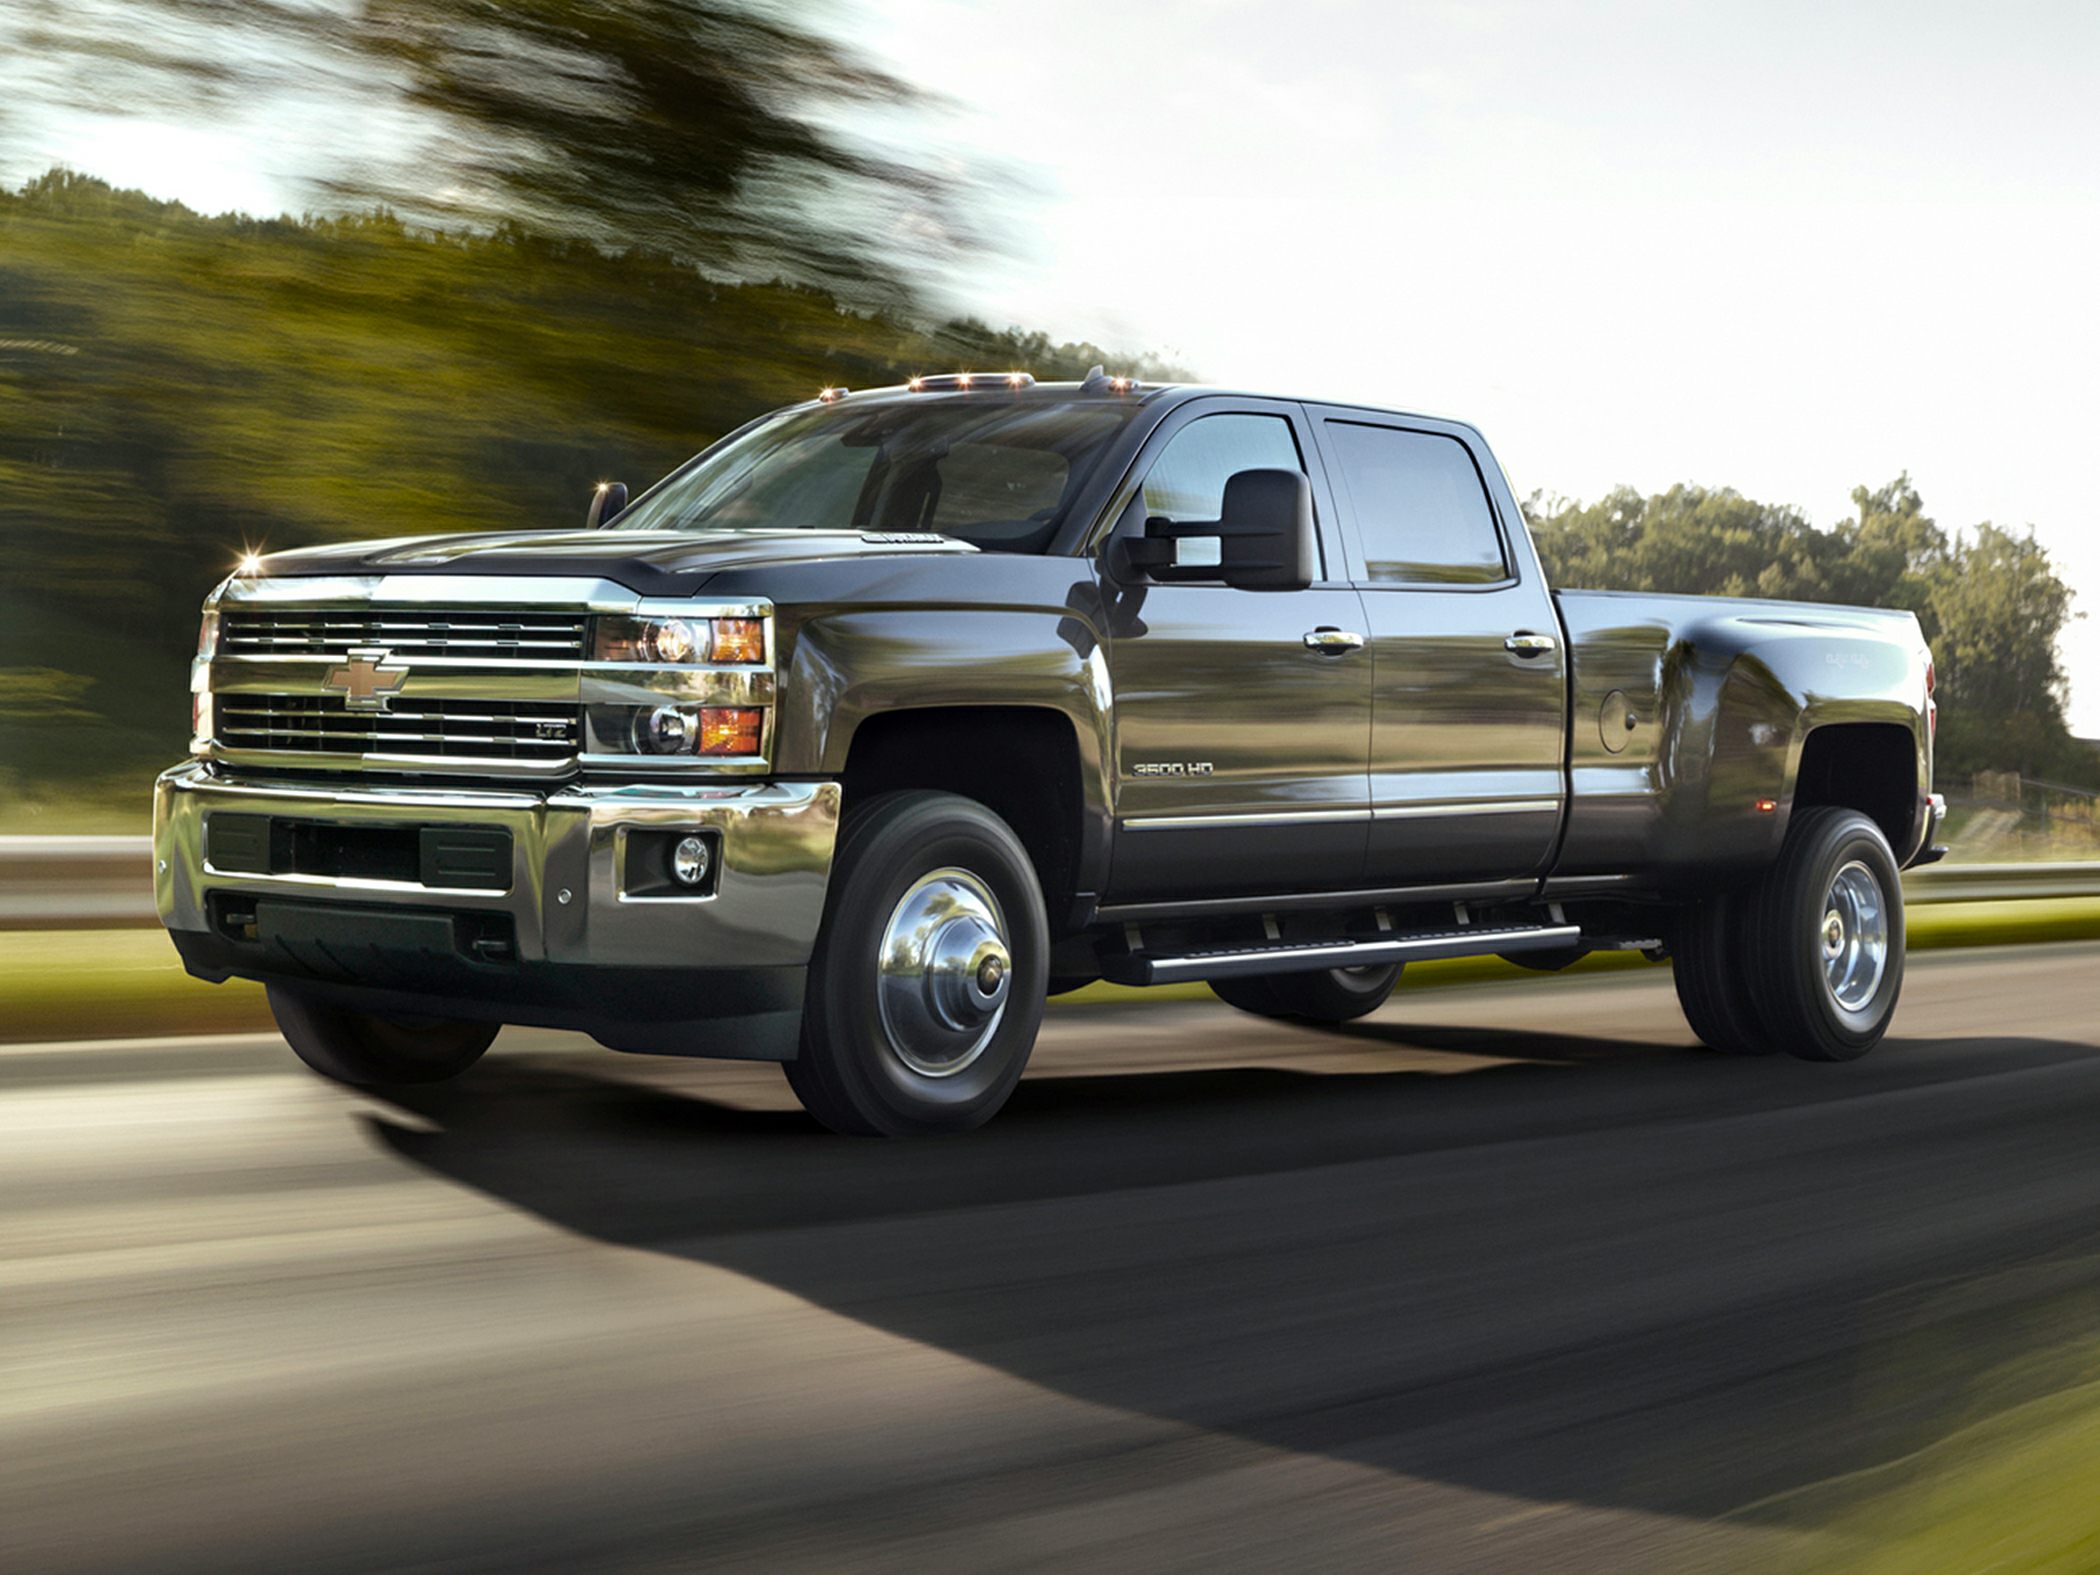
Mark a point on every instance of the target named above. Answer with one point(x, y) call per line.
point(903, 1050)
point(1827, 937)
point(1711, 964)
point(1332, 996)
point(366, 1050)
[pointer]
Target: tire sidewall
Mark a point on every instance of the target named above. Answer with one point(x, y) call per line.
point(1800, 904)
point(916, 836)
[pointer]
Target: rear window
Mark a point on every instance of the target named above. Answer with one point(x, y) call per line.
point(1420, 507)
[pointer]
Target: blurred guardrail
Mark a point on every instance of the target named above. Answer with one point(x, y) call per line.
point(76, 883)
point(106, 883)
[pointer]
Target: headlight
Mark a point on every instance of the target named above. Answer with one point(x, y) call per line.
point(664, 730)
point(677, 642)
point(687, 731)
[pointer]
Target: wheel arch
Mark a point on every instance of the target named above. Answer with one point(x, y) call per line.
point(1023, 763)
point(1874, 767)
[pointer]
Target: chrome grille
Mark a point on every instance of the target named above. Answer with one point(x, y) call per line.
point(524, 730)
point(406, 634)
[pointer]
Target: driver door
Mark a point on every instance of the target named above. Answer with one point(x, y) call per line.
point(1242, 717)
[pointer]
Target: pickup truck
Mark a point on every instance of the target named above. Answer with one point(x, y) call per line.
point(895, 712)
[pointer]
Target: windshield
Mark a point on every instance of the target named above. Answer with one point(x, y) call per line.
point(997, 475)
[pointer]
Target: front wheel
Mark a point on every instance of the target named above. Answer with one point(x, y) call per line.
point(365, 1049)
point(926, 990)
point(1329, 997)
point(1826, 937)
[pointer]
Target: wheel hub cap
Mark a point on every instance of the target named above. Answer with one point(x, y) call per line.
point(945, 972)
point(1854, 937)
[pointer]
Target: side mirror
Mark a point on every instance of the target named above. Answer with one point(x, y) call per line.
point(609, 498)
point(1265, 533)
point(1266, 540)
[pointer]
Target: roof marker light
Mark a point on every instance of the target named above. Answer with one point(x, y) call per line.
point(964, 382)
point(831, 395)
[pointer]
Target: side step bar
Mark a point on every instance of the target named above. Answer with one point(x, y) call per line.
point(1312, 956)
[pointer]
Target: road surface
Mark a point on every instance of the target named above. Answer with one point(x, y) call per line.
point(1503, 1278)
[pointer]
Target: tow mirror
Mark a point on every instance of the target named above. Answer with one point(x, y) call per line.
point(1266, 534)
point(607, 500)
point(1265, 538)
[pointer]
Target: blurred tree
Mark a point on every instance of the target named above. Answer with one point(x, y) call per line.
point(172, 387)
point(711, 130)
point(1990, 603)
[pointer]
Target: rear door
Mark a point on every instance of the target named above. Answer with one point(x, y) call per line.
point(1241, 729)
point(1468, 717)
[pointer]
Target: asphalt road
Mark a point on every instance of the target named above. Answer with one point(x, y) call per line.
point(1503, 1278)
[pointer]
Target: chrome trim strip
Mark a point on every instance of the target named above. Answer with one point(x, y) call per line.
point(356, 883)
point(1350, 954)
point(436, 765)
point(1477, 806)
point(676, 766)
point(1292, 817)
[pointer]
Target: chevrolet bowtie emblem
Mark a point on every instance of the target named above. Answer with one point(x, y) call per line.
point(368, 681)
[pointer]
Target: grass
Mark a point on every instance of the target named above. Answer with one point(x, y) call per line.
point(2007, 1483)
point(111, 984)
point(107, 984)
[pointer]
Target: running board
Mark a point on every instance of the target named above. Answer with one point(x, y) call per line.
point(1311, 956)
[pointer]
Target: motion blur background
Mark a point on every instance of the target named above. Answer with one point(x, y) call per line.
point(1758, 297)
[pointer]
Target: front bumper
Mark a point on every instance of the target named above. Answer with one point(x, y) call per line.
point(576, 936)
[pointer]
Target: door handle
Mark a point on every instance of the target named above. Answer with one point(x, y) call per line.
point(1526, 644)
point(1333, 642)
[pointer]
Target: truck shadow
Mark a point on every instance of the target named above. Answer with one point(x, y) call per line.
point(1612, 1274)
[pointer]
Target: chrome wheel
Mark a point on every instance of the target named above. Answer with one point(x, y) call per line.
point(944, 973)
point(1854, 938)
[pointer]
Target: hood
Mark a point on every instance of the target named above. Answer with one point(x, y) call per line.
point(649, 563)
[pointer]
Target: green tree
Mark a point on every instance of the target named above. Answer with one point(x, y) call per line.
point(1995, 610)
point(711, 130)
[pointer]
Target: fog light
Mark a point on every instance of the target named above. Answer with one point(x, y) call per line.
point(689, 860)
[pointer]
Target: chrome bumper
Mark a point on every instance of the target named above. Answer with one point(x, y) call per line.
point(568, 892)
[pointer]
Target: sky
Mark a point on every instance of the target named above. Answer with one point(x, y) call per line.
point(1789, 248)
point(1785, 248)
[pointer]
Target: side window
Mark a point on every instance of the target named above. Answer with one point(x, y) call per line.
point(1420, 507)
point(1187, 481)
